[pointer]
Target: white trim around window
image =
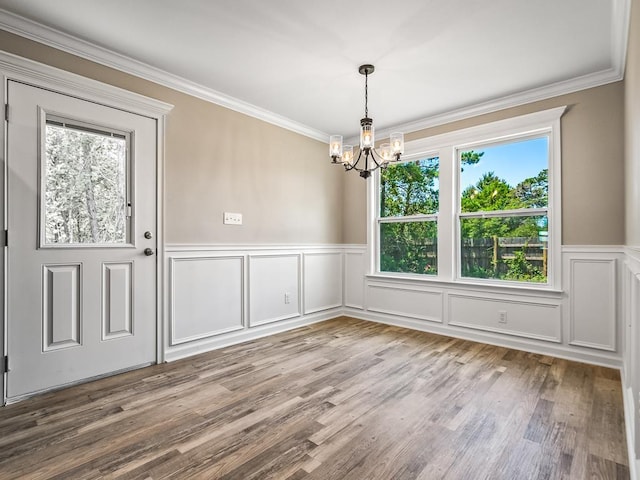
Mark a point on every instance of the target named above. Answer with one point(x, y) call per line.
point(446, 146)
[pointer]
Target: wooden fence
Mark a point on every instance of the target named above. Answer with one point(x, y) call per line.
point(487, 254)
point(493, 252)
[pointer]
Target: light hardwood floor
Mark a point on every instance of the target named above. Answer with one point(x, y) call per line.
point(344, 399)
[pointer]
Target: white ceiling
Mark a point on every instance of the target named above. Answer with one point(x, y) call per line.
point(298, 59)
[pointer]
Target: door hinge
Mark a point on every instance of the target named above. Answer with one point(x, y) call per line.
point(5, 364)
point(6, 112)
point(6, 238)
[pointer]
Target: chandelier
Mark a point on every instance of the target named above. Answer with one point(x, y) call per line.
point(373, 159)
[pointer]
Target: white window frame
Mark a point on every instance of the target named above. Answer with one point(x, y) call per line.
point(428, 217)
point(446, 147)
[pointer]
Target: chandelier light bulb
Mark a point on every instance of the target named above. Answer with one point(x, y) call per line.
point(385, 152)
point(347, 155)
point(397, 143)
point(335, 147)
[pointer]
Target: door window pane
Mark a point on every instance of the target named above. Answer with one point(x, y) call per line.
point(85, 185)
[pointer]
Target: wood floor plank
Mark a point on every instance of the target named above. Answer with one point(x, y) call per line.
point(343, 399)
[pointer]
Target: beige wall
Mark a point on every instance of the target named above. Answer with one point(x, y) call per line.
point(632, 129)
point(354, 215)
point(219, 160)
point(592, 166)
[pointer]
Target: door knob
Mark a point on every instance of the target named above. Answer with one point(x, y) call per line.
point(148, 251)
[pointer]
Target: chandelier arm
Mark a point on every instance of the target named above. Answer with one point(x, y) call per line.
point(375, 157)
point(375, 154)
point(366, 161)
point(370, 168)
point(354, 164)
point(368, 152)
point(396, 158)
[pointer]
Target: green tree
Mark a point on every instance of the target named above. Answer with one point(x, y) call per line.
point(406, 189)
point(491, 193)
point(85, 187)
point(519, 268)
point(534, 192)
point(409, 188)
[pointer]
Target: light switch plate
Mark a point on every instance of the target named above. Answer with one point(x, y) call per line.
point(232, 218)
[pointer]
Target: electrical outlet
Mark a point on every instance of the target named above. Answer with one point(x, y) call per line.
point(287, 298)
point(502, 316)
point(232, 218)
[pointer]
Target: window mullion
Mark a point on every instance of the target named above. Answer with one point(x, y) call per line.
point(446, 220)
point(520, 212)
point(409, 218)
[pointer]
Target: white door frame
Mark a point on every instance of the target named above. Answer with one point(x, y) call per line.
point(16, 68)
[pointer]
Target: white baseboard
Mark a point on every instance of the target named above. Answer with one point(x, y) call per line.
point(627, 399)
point(603, 359)
point(233, 338)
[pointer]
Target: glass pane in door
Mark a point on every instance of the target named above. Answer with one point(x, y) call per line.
point(85, 172)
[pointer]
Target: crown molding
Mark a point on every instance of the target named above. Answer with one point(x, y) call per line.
point(517, 99)
point(81, 48)
point(26, 70)
point(620, 20)
point(67, 43)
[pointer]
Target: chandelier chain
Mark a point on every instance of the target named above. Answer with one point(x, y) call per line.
point(366, 95)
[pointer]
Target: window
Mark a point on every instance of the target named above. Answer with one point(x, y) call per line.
point(479, 205)
point(503, 203)
point(85, 172)
point(408, 221)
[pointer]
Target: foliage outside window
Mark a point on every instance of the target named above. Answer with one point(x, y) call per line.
point(85, 186)
point(504, 212)
point(408, 221)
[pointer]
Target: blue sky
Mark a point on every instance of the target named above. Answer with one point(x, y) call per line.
point(512, 162)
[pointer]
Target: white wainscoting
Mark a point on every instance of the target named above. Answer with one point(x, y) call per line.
point(206, 297)
point(274, 288)
point(219, 295)
point(582, 322)
point(411, 301)
point(631, 355)
point(539, 320)
point(592, 283)
point(322, 281)
point(354, 271)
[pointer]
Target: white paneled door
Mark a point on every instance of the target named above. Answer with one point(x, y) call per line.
point(81, 264)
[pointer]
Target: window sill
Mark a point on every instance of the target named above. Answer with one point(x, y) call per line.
point(530, 290)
